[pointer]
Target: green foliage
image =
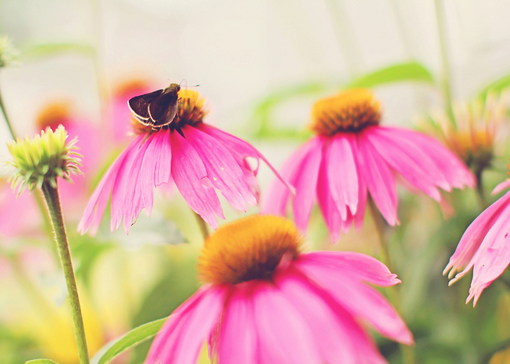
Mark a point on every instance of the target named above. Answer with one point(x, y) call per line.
point(132, 338)
point(495, 86)
point(401, 72)
point(41, 361)
point(36, 51)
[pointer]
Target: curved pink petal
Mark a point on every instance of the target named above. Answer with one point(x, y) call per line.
point(277, 194)
point(359, 266)
point(327, 205)
point(337, 336)
point(362, 301)
point(500, 187)
point(238, 336)
point(378, 178)
point(492, 257)
point(456, 173)
point(222, 169)
point(411, 162)
point(342, 173)
point(99, 199)
point(240, 149)
point(180, 339)
point(188, 171)
point(473, 237)
point(282, 333)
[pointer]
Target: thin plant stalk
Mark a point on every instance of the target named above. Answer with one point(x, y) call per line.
point(4, 112)
point(52, 199)
point(480, 191)
point(406, 351)
point(202, 225)
point(445, 61)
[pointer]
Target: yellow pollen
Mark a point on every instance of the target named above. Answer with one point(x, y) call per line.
point(247, 249)
point(349, 111)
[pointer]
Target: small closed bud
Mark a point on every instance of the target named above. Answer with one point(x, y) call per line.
point(43, 158)
point(8, 55)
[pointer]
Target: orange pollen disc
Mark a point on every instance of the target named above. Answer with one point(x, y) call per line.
point(349, 111)
point(247, 249)
point(54, 114)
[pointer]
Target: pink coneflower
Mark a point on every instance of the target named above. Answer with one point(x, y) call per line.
point(267, 302)
point(484, 246)
point(198, 157)
point(351, 156)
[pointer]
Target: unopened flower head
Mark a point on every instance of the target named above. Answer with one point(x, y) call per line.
point(352, 158)
point(476, 126)
point(265, 301)
point(43, 158)
point(8, 55)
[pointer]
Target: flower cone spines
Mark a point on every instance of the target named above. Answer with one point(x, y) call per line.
point(7, 53)
point(43, 158)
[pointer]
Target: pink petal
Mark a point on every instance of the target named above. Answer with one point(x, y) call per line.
point(359, 266)
point(222, 169)
point(306, 183)
point(188, 171)
point(473, 237)
point(180, 339)
point(378, 178)
point(238, 336)
point(342, 173)
point(500, 187)
point(282, 333)
point(337, 336)
point(411, 162)
point(278, 194)
point(456, 173)
point(240, 148)
point(362, 301)
point(327, 205)
point(99, 199)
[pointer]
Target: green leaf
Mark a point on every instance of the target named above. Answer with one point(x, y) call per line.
point(132, 338)
point(51, 49)
point(408, 71)
point(495, 86)
point(41, 361)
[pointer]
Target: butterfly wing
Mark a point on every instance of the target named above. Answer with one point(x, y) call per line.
point(139, 106)
point(162, 109)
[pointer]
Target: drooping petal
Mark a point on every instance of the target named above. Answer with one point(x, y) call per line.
point(183, 334)
point(362, 301)
point(337, 336)
point(359, 266)
point(238, 336)
point(342, 173)
point(282, 334)
point(473, 237)
point(411, 162)
point(188, 172)
point(455, 172)
point(277, 195)
point(500, 187)
point(378, 178)
point(240, 149)
point(99, 199)
point(222, 169)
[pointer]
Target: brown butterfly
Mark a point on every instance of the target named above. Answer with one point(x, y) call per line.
point(156, 109)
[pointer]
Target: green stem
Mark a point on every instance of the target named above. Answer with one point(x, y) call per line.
point(7, 121)
point(407, 352)
point(480, 191)
point(446, 70)
point(202, 225)
point(53, 203)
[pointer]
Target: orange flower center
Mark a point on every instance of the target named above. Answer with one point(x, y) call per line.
point(247, 249)
point(349, 111)
point(54, 114)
